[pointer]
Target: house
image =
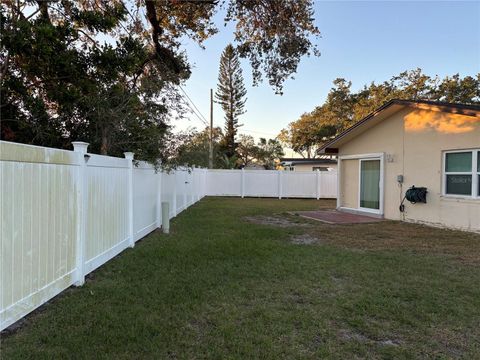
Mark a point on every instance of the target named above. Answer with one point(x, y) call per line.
point(300, 164)
point(412, 143)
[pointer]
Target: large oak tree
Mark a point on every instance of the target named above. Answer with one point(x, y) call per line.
point(106, 71)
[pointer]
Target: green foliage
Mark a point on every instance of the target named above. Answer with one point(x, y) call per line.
point(274, 35)
point(193, 149)
point(268, 152)
point(230, 95)
point(246, 150)
point(105, 71)
point(343, 108)
point(60, 83)
point(264, 153)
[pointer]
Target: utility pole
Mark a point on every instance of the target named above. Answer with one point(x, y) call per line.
point(210, 145)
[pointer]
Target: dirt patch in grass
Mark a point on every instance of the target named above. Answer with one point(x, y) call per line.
point(456, 245)
point(395, 235)
point(304, 239)
point(278, 221)
point(355, 336)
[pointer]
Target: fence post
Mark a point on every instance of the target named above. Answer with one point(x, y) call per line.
point(80, 148)
point(242, 183)
point(280, 185)
point(159, 198)
point(129, 157)
point(193, 188)
point(318, 184)
point(174, 203)
point(204, 182)
point(185, 188)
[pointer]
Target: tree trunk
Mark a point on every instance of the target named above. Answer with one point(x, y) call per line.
point(104, 146)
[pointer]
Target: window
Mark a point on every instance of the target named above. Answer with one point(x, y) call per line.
point(462, 173)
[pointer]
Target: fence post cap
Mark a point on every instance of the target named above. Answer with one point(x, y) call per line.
point(128, 155)
point(80, 146)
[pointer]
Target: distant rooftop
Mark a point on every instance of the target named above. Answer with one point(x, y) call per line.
point(294, 161)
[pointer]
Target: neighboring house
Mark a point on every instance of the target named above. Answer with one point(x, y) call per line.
point(406, 143)
point(300, 164)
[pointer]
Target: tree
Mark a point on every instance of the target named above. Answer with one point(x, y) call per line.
point(264, 153)
point(268, 152)
point(60, 83)
point(306, 134)
point(338, 107)
point(193, 148)
point(230, 95)
point(272, 35)
point(246, 150)
point(106, 71)
point(456, 89)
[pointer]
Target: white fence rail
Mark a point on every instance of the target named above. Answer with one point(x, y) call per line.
point(270, 183)
point(65, 213)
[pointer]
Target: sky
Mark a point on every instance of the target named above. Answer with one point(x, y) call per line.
point(361, 42)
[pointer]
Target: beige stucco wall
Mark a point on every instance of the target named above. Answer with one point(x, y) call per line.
point(413, 141)
point(386, 137)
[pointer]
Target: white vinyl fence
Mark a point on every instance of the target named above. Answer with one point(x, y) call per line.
point(271, 183)
point(65, 213)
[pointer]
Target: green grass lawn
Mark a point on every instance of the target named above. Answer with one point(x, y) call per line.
point(220, 286)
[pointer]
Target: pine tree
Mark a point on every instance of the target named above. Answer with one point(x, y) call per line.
point(230, 95)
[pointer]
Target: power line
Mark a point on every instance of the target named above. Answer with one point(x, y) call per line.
point(202, 118)
point(195, 109)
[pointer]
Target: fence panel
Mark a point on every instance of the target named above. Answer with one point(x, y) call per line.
point(262, 183)
point(328, 184)
point(224, 183)
point(38, 227)
point(168, 191)
point(107, 232)
point(145, 188)
point(272, 183)
point(65, 213)
point(180, 191)
point(300, 184)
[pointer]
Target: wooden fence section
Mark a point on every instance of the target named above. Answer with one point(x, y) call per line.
point(65, 213)
point(270, 183)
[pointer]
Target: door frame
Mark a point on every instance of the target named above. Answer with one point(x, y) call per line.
point(370, 156)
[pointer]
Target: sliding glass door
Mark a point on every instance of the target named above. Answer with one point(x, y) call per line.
point(370, 184)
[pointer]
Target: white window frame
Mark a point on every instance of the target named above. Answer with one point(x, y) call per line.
point(365, 209)
point(474, 173)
